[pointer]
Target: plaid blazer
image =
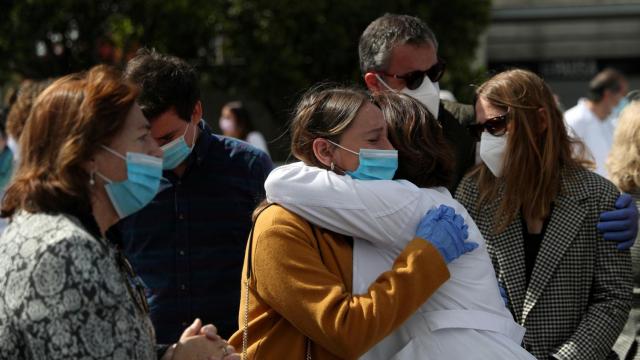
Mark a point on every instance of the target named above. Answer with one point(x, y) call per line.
point(580, 290)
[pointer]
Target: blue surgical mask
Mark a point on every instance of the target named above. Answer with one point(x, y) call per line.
point(144, 173)
point(374, 164)
point(177, 150)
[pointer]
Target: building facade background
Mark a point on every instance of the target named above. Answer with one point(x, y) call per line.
point(565, 41)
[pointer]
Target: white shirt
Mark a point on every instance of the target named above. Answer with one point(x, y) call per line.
point(256, 139)
point(465, 319)
point(596, 134)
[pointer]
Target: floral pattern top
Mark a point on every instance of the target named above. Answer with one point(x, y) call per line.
point(63, 295)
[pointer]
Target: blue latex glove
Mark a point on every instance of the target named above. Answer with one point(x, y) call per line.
point(445, 230)
point(620, 225)
point(503, 293)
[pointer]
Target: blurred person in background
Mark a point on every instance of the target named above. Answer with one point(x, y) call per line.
point(68, 291)
point(590, 120)
point(623, 165)
point(20, 110)
point(236, 122)
point(537, 206)
point(189, 242)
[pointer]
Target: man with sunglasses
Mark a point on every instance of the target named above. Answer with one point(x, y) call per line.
point(400, 53)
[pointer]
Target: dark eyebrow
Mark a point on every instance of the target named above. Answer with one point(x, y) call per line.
point(167, 136)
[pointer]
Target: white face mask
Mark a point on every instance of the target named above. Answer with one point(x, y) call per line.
point(227, 125)
point(428, 94)
point(492, 150)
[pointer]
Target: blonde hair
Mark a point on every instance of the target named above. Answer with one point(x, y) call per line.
point(623, 163)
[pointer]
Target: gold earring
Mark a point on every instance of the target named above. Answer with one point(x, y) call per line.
point(333, 166)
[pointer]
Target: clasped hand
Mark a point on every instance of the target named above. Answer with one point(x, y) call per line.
point(201, 343)
point(446, 231)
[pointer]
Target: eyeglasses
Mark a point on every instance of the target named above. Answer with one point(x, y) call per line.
point(414, 79)
point(496, 126)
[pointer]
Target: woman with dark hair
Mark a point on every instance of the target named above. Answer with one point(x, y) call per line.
point(537, 206)
point(236, 122)
point(466, 318)
point(67, 291)
point(298, 300)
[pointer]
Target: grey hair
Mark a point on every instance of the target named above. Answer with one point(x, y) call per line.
point(379, 38)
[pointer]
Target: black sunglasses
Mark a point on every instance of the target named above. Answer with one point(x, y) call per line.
point(414, 79)
point(496, 126)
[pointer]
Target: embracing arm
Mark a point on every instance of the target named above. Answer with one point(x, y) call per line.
point(377, 211)
point(609, 304)
point(291, 277)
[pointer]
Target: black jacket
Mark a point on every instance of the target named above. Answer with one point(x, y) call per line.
point(454, 118)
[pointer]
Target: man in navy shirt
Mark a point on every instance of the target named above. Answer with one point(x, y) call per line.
point(188, 245)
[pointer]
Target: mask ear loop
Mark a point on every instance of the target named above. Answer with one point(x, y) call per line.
point(193, 139)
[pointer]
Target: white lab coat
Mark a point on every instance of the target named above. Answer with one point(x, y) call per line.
point(465, 319)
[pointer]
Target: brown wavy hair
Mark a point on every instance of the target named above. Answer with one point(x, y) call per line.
point(537, 150)
point(424, 155)
point(68, 123)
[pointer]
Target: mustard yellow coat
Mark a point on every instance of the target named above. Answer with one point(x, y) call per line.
point(300, 288)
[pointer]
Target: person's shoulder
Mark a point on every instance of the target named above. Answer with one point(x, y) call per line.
point(595, 185)
point(575, 115)
point(240, 153)
point(275, 220)
point(463, 113)
point(255, 136)
point(469, 183)
point(48, 249)
point(275, 214)
point(457, 109)
point(48, 229)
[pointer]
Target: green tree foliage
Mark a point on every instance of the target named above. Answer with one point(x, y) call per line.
point(268, 50)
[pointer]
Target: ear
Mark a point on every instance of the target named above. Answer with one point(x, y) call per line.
point(323, 151)
point(196, 115)
point(373, 84)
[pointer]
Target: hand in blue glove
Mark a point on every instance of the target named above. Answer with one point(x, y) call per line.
point(445, 230)
point(620, 225)
point(503, 293)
